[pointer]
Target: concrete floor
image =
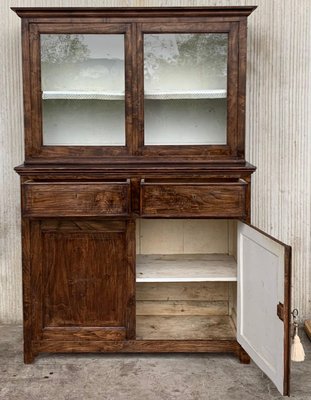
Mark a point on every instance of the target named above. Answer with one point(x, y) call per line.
point(137, 377)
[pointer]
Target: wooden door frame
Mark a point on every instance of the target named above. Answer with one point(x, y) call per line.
point(35, 333)
point(34, 148)
point(234, 148)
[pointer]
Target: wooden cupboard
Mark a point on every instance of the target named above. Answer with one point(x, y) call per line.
point(136, 191)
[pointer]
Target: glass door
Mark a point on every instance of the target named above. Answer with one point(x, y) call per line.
point(185, 88)
point(83, 89)
point(189, 95)
point(84, 100)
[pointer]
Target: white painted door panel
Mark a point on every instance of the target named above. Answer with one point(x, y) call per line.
point(262, 266)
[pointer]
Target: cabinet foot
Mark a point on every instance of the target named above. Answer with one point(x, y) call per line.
point(243, 356)
point(29, 357)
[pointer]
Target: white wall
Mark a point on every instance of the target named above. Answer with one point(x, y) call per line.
point(278, 133)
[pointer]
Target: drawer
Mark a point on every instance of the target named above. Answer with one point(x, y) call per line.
point(68, 199)
point(193, 199)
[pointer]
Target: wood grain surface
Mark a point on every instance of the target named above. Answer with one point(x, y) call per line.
point(190, 200)
point(200, 291)
point(79, 281)
point(184, 328)
point(75, 199)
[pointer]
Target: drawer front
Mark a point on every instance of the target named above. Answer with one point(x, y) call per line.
point(193, 200)
point(75, 199)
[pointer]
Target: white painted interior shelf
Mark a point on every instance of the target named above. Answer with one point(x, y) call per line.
point(185, 268)
point(154, 95)
point(81, 95)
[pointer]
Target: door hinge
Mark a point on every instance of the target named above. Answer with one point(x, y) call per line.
point(280, 311)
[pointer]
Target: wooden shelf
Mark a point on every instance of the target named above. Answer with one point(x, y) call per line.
point(81, 95)
point(185, 268)
point(186, 94)
point(152, 95)
point(184, 328)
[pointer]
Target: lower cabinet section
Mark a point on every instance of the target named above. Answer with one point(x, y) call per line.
point(157, 286)
point(87, 285)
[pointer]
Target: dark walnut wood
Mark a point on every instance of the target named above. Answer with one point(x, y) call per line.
point(243, 356)
point(133, 23)
point(81, 283)
point(193, 199)
point(139, 346)
point(75, 199)
point(133, 12)
point(79, 203)
point(231, 150)
point(287, 318)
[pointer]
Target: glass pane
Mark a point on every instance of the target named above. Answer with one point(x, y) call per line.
point(83, 90)
point(185, 89)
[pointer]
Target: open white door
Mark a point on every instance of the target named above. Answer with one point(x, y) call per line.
point(264, 302)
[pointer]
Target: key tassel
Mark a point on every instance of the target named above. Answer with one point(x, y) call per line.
point(297, 351)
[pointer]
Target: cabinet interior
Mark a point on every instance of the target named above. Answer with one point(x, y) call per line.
point(85, 122)
point(185, 122)
point(186, 279)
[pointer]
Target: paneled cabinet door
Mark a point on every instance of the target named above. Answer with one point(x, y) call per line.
point(82, 280)
point(264, 275)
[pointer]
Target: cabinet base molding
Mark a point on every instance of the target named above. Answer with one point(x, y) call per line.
point(138, 346)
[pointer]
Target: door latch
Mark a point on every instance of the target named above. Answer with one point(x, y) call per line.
point(280, 311)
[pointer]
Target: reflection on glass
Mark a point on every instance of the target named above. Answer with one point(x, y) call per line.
point(82, 79)
point(185, 89)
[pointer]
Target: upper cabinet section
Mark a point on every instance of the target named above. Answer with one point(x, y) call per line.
point(134, 85)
